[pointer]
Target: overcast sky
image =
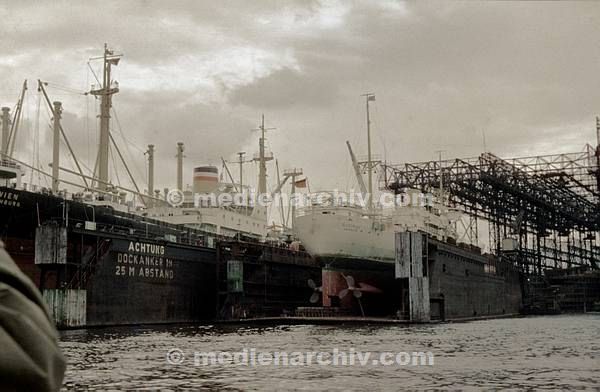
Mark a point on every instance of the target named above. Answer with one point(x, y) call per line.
point(517, 78)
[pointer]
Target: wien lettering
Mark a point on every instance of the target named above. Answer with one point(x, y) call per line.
point(9, 199)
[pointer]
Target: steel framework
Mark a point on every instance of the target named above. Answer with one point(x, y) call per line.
point(548, 206)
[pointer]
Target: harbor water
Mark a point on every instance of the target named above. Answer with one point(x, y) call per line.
point(544, 352)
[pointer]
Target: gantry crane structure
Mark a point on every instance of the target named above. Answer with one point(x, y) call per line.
point(541, 212)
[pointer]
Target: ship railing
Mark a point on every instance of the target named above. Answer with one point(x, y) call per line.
point(334, 199)
point(9, 164)
point(154, 231)
point(120, 229)
point(309, 210)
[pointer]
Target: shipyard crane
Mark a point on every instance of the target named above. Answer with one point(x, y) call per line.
point(359, 178)
point(286, 176)
point(229, 174)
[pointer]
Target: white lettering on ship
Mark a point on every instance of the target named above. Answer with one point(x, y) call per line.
point(148, 265)
point(9, 199)
point(141, 247)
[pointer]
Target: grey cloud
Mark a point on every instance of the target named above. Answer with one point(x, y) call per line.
point(525, 74)
point(288, 89)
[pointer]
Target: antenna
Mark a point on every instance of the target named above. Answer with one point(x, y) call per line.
point(368, 98)
point(262, 159)
point(484, 143)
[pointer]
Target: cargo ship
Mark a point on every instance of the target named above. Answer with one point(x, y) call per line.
point(358, 253)
point(110, 255)
point(357, 247)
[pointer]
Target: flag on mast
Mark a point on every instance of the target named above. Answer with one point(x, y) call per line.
point(301, 183)
point(371, 98)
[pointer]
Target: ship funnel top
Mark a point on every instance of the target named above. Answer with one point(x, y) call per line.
point(206, 179)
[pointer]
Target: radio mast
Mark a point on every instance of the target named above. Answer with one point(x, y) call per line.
point(105, 94)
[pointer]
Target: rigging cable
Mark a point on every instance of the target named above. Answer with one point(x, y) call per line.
point(127, 143)
point(36, 140)
point(65, 88)
point(87, 118)
point(116, 171)
point(93, 73)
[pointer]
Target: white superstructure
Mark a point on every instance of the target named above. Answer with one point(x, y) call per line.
point(367, 232)
point(202, 206)
point(330, 230)
point(248, 220)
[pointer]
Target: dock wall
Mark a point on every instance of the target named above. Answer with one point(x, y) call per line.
point(466, 286)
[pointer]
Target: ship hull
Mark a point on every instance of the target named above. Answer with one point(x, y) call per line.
point(461, 285)
point(96, 266)
point(344, 234)
point(121, 270)
point(177, 286)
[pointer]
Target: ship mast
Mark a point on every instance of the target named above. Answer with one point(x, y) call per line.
point(369, 97)
point(180, 150)
point(241, 163)
point(5, 130)
point(56, 146)
point(14, 129)
point(262, 158)
point(150, 153)
point(598, 153)
point(105, 93)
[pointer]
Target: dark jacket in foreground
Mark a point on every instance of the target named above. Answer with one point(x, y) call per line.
point(30, 359)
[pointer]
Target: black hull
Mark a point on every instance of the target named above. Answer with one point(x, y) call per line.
point(460, 285)
point(128, 269)
point(124, 293)
point(97, 284)
point(273, 281)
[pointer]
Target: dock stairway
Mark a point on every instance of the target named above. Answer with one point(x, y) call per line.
point(85, 270)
